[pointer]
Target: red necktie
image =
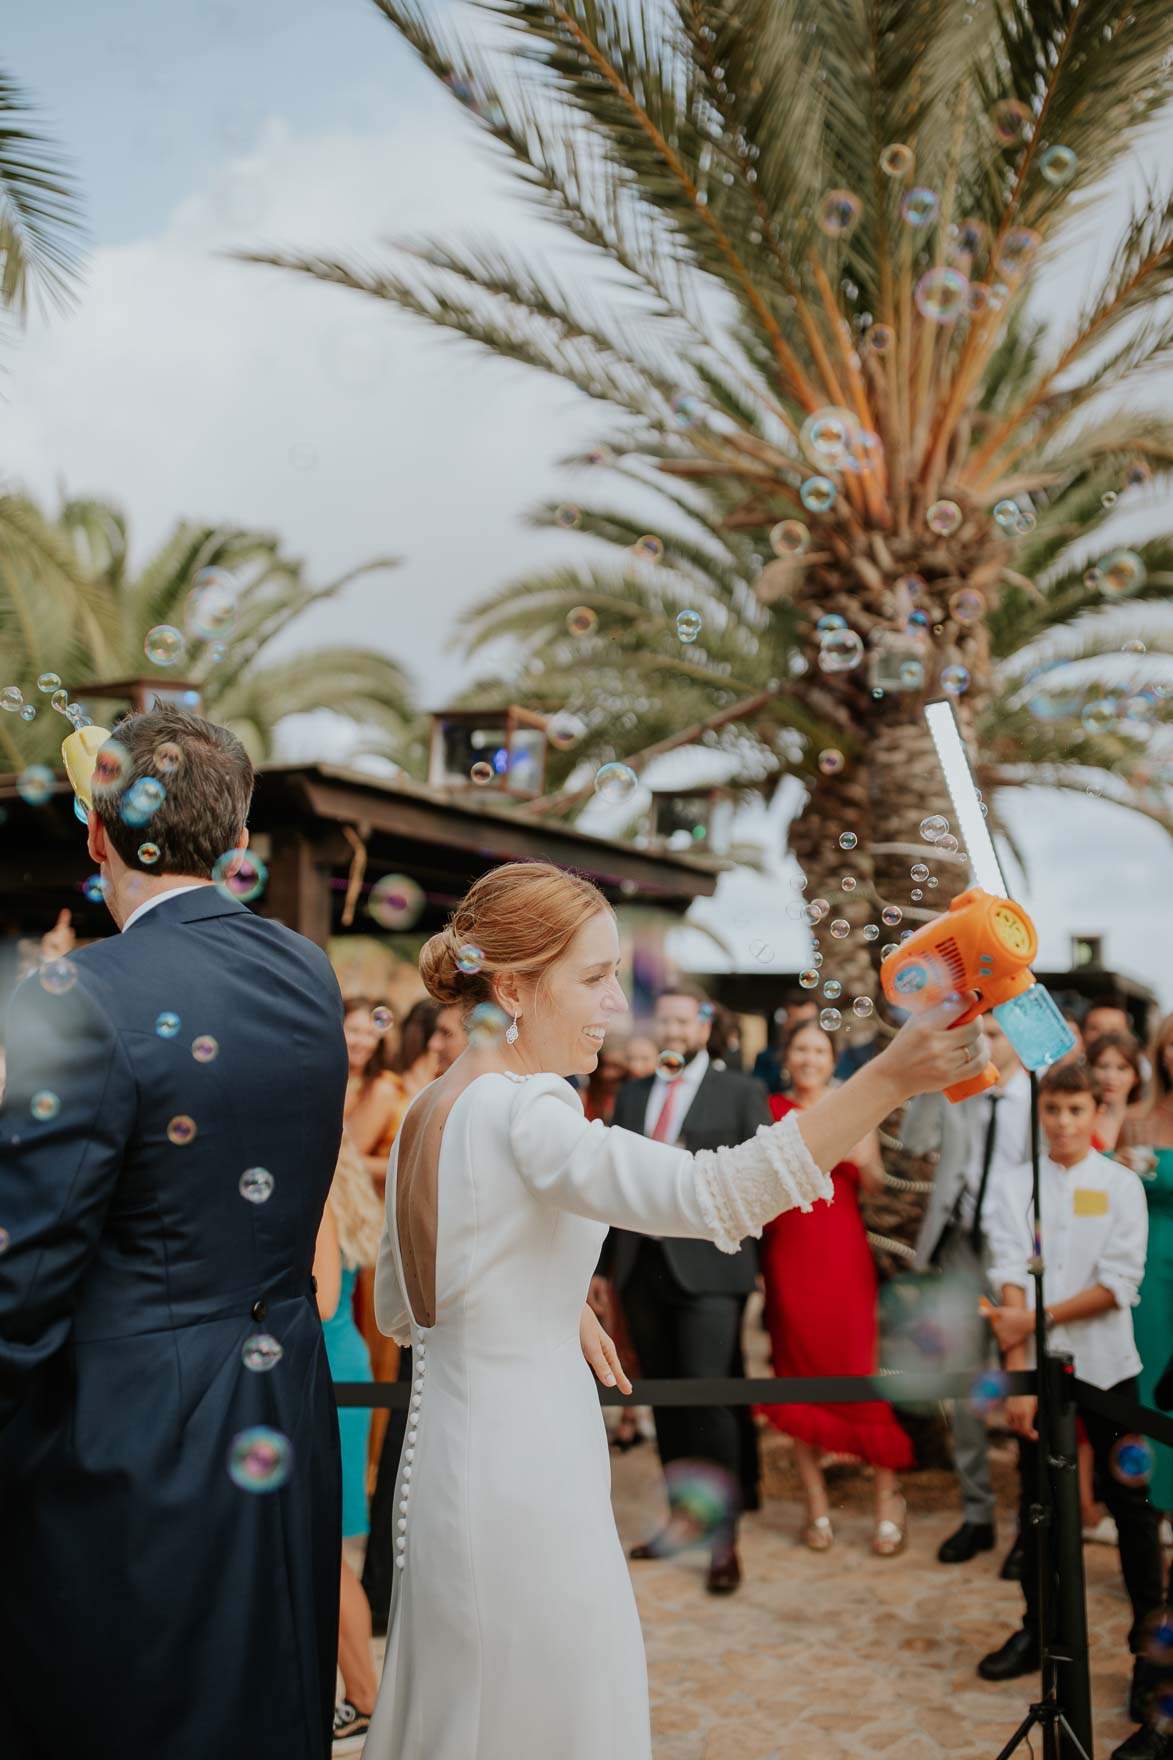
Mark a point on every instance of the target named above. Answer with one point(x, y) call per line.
point(662, 1129)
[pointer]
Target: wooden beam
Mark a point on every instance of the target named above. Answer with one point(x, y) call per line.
point(298, 892)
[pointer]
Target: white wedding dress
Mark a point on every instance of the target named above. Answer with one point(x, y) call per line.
point(513, 1632)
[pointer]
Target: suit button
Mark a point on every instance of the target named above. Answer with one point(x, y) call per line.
point(259, 1311)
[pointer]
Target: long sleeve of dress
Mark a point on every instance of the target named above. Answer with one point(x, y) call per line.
point(614, 1176)
point(391, 1311)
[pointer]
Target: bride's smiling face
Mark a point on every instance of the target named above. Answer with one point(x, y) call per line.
point(566, 1013)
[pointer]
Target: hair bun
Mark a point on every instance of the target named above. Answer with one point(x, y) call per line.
point(438, 969)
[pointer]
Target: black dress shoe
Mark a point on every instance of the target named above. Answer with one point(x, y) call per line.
point(970, 1539)
point(724, 1571)
point(1018, 1655)
point(1144, 1744)
point(1013, 1564)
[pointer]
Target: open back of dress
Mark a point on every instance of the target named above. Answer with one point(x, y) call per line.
point(417, 1189)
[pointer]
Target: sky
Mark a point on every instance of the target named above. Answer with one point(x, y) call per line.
point(186, 385)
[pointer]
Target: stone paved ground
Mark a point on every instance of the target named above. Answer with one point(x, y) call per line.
point(821, 1655)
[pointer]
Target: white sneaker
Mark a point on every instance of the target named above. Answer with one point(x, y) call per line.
point(1103, 1534)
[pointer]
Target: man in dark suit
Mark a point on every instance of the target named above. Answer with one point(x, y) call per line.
point(169, 1475)
point(684, 1299)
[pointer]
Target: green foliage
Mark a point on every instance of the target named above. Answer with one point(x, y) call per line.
point(40, 230)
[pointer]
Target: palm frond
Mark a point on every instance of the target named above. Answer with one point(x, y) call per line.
point(40, 213)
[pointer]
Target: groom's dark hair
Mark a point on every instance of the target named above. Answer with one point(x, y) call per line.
point(208, 788)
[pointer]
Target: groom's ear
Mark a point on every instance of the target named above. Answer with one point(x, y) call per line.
point(96, 843)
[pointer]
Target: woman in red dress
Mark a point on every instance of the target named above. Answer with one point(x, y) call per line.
point(821, 1311)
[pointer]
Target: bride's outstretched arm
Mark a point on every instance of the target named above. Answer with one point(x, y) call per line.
point(723, 1195)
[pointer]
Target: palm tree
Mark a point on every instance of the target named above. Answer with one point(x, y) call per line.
point(832, 396)
point(259, 593)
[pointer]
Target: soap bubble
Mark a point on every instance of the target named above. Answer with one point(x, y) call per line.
point(871, 931)
point(919, 206)
point(1132, 1460)
point(142, 800)
point(204, 1048)
point(395, 902)
point(790, 538)
point(1058, 165)
point(839, 213)
point(111, 763)
point(563, 731)
point(29, 712)
point(841, 650)
point(469, 958)
point(944, 518)
point(942, 295)
point(817, 494)
point(847, 840)
point(582, 621)
point(261, 1352)
point(1123, 572)
point(966, 605)
point(1011, 122)
point(36, 785)
point(988, 1390)
point(809, 979)
point(762, 951)
point(1006, 515)
point(934, 828)
point(11, 698)
point(670, 1064)
point(891, 915)
point(93, 889)
point(888, 949)
point(916, 895)
point(240, 874)
point(167, 757)
point(650, 548)
point(948, 843)
point(486, 1024)
point(57, 976)
point(59, 701)
point(1109, 498)
point(48, 681)
point(817, 909)
point(897, 160)
point(1136, 646)
point(830, 620)
point(686, 409)
point(1100, 716)
point(148, 854)
point(863, 1008)
point(880, 338)
point(382, 1019)
point(703, 1498)
point(848, 883)
point(955, 680)
point(831, 761)
point(181, 1130)
point(971, 236)
point(567, 517)
point(167, 1024)
point(616, 782)
point(260, 1459)
point(210, 612)
point(256, 1185)
point(1017, 249)
point(830, 1020)
point(688, 625)
point(164, 645)
point(832, 989)
point(482, 773)
point(919, 872)
point(840, 928)
point(45, 1106)
point(827, 436)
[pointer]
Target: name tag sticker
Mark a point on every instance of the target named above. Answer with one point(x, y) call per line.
point(1090, 1202)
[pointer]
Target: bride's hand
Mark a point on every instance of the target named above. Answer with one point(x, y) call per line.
point(929, 1054)
point(600, 1353)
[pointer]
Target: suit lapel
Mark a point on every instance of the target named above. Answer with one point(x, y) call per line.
point(696, 1101)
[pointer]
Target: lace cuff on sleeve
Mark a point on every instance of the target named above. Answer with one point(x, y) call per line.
point(742, 1188)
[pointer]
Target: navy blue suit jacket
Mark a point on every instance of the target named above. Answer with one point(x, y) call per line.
point(149, 1604)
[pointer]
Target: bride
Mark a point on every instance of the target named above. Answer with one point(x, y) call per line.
point(513, 1632)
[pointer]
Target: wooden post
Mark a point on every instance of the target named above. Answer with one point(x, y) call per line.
point(298, 893)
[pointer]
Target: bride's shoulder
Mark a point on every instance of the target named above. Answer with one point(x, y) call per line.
point(523, 1091)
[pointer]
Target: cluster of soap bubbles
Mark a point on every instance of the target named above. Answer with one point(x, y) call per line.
point(840, 648)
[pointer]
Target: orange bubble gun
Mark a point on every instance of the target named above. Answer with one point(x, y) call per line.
point(985, 944)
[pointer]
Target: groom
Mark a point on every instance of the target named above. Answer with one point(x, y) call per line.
point(169, 1479)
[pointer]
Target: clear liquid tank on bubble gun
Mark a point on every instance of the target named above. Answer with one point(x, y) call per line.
point(985, 944)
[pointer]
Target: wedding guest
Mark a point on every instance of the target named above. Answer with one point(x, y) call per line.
point(977, 1143)
point(821, 1311)
point(725, 1039)
point(796, 1007)
point(1146, 1144)
point(642, 1052)
point(1115, 1058)
point(1093, 1217)
point(349, 1238)
point(1108, 1014)
point(605, 1081)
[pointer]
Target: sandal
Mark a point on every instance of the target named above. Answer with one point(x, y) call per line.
point(891, 1538)
point(819, 1534)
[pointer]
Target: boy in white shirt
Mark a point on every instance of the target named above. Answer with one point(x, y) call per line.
point(1094, 1238)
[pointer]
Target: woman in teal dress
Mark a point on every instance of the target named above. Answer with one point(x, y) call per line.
point(1146, 1143)
point(348, 1240)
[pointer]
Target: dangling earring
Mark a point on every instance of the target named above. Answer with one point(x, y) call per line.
point(511, 1032)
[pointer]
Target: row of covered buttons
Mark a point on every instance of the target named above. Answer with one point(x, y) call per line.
point(419, 1366)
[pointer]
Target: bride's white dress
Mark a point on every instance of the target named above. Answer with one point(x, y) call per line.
point(513, 1632)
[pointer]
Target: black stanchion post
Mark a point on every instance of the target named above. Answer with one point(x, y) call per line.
point(1070, 1655)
